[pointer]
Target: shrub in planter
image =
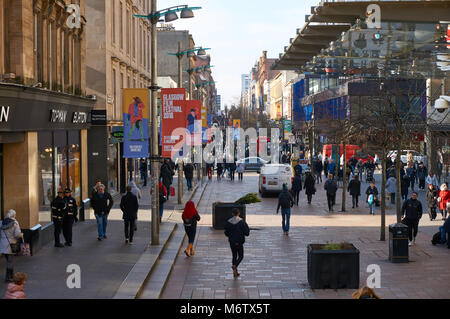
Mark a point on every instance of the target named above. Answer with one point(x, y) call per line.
point(333, 266)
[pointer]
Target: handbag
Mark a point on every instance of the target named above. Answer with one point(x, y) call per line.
point(25, 249)
point(15, 248)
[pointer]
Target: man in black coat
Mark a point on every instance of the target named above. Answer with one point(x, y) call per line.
point(102, 203)
point(310, 186)
point(129, 206)
point(354, 187)
point(236, 230)
point(285, 201)
point(58, 207)
point(412, 212)
point(188, 170)
point(318, 167)
point(70, 216)
point(166, 175)
point(331, 188)
point(432, 195)
point(296, 188)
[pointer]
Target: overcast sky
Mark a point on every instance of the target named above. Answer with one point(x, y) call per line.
point(237, 31)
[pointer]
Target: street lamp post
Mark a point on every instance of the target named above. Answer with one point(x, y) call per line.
point(154, 18)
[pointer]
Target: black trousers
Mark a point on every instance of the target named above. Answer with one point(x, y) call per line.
point(413, 227)
point(309, 198)
point(331, 200)
point(57, 223)
point(190, 232)
point(319, 176)
point(432, 212)
point(241, 176)
point(422, 183)
point(238, 253)
point(296, 195)
point(355, 200)
point(67, 224)
point(129, 228)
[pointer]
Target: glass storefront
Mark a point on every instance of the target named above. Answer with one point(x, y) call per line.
point(113, 179)
point(59, 167)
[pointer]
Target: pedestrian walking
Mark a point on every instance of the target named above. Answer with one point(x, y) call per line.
point(444, 200)
point(353, 161)
point(285, 201)
point(325, 166)
point(391, 187)
point(236, 229)
point(166, 176)
point(432, 196)
point(405, 185)
point(70, 215)
point(219, 171)
point(411, 172)
point(331, 168)
point(232, 170)
point(240, 170)
point(412, 213)
point(360, 169)
point(190, 218)
point(296, 188)
point(372, 194)
point(431, 179)
point(135, 190)
point(188, 170)
point(310, 186)
point(129, 205)
point(143, 171)
point(16, 288)
point(318, 167)
point(58, 206)
point(9, 241)
point(422, 173)
point(298, 170)
point(331, 188)
point(209, 170)
point(354, 188)
point(102, 203)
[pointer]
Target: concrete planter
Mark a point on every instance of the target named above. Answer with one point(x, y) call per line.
point(221, 212)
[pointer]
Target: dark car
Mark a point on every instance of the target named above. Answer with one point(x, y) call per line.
point(253, 164)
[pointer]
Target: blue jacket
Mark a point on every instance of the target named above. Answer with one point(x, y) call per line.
point(332, 168)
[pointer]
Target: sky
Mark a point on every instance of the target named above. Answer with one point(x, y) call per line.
point(238, 32)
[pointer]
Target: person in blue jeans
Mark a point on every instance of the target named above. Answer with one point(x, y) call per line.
point(372, 192)
point(102, 203)
point(285, 201)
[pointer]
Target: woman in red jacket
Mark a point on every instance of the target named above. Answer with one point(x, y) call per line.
point(190, 218)
point(444, 200)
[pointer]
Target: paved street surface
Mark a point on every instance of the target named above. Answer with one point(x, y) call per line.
point(275, 266)
point(104, 265)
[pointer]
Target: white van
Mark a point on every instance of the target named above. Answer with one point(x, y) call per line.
point(273, 176)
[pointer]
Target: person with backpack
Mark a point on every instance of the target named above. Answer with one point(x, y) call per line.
point(372, 193)
point(432, 196)
point(285, 201)
point(310, 186)
point(129, 206)
point(296, 188)
point(354, 188)
point(236, 230)
point(331, 188)
point(412, 213)
point(190, 218)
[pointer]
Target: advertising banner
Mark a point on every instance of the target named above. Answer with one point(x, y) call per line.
point(287, 129)
point(194, 121)
point(204, 124)
point(135, 123)
point(173, 117)
point(236, 131)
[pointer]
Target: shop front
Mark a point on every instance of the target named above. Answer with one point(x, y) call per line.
point(43, 148)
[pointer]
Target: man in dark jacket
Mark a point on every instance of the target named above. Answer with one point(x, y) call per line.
point(296, 188)
point(189, 174)
point(412, 211)
point(232, 170)
point(285, 201)
point(167, 176)
point(432, 195)
point(58, 207)
point(422, 173)
point(405, 185)
point(236, 229)
point(129, 206)
point(143, 171)
point(102, 203)
point(331, 188)
point(310, 187)
point(372, 190)
point(318, 167)
point(354, 187)
point(70, 215)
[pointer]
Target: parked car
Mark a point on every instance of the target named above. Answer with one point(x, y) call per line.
point(253, 164)
point(272, 178)
point(403, 156)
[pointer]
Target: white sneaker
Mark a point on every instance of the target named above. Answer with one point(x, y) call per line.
point(409, 243)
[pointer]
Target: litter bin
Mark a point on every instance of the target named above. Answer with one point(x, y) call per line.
point(84, 209)
point(398, 243)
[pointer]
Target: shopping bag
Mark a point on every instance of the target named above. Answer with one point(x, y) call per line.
point(25, 248)
point(172, 191)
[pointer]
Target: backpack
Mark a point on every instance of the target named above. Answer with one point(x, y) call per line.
point(436, 238)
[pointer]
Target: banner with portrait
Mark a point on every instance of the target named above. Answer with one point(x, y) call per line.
point(135, 123)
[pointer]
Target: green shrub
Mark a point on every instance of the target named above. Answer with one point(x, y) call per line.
point(250, 198)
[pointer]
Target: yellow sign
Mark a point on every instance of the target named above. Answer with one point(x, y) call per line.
point(236, 124)
point(204, 116)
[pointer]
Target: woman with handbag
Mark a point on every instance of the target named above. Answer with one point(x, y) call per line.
point(9, 244)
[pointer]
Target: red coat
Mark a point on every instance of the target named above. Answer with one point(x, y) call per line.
point(445, 198)
point(134, 118)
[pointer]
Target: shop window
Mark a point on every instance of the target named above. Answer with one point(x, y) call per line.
point(74, 148)
point(113, 185)
point(60, 160)
point(45, 171)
